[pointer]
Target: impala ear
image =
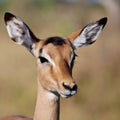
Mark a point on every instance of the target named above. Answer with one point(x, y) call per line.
point(19, 32)
point(88, 34)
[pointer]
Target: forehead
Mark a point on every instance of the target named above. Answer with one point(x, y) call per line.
point(56, 41)
point(54, 45)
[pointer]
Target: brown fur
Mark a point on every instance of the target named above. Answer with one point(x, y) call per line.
point(74, 35)
point(15, 117)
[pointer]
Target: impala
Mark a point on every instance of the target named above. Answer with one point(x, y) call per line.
point(55, 59)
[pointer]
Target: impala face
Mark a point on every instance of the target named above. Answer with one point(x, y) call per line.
point(55, 55)
point(55, 66)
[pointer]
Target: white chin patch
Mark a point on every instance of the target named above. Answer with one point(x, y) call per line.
point(52, 96)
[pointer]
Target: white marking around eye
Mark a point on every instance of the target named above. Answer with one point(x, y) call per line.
point(49, 59)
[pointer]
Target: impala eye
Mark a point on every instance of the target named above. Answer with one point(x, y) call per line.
point(43, 60)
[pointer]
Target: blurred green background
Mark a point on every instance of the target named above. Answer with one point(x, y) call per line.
point(96, 70)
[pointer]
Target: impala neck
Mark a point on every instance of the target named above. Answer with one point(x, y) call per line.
point(47, 106)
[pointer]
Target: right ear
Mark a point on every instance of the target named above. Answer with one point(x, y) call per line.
point(19, 32)
point(88, 35)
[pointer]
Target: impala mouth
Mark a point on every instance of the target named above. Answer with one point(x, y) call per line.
point(67, 94)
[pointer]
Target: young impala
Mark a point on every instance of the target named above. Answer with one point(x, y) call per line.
point(55, 58)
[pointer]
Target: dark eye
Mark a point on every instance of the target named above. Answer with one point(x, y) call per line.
point(43, 60)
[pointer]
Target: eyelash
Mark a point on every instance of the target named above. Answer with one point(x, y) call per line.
point(43, 60)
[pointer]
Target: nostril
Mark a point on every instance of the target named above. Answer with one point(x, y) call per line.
point(67, 87)
point(74, 87)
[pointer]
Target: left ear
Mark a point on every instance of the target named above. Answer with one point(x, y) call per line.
point(19, 32)
point(88, 34)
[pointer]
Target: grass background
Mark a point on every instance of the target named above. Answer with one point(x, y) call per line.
point(96, 70)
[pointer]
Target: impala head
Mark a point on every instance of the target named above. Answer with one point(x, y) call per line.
point(55, 55)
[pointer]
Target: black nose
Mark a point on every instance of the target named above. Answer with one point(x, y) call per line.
point(71, 88)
